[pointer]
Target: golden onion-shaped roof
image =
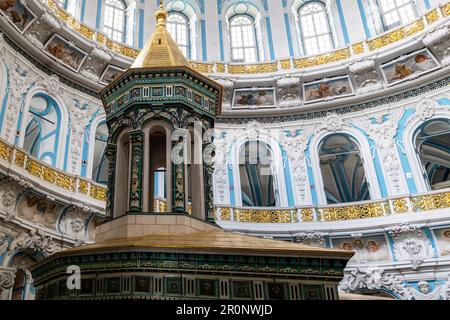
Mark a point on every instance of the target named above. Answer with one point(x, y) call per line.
point(161, 50)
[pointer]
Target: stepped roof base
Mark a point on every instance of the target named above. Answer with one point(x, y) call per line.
point(177, 256)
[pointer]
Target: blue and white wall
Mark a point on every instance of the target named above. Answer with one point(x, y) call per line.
point(351, 21)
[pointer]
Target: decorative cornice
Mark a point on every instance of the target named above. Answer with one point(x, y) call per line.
point(48, 71)
point(342, 109)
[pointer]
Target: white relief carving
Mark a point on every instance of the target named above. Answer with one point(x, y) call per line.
point(410, 244)
point(288, 91)
point(228, 90)
point(20, 80)
point(6, 279)
point(52, 85)
point(220, 170)
point(72, 223)
point(80, 115)
point(11, 188)
point(383, 133)
point(52, 23)
point(101, 55)
point(332, 122)
point(295, 147)
point(365, 75)
point(8, 204)
point(310, 238)
point(426, 109)
point(33, 38)
point(372, 278)
point(425, 292)
point(35, 240)
point(439, 41)
point(3, 243)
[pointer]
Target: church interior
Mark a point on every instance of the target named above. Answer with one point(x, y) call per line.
point(225, 149)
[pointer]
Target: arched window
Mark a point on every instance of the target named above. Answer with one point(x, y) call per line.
point(432, 143)
point(257, 175)
point(396, 12)
point(178, 26)
point(43, 128)
point(114, 23)
point(342, 170)
point(243, 39)
point(21, 261)
point(100, 161)
point(315, 28)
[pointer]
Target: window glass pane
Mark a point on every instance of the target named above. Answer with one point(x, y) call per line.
point(315, 28)
point(396, 12)
point(178, 27)
point(243, 39)
point(114, 19)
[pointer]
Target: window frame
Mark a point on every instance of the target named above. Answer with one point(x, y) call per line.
point(328, 24)
point(188, 31)
point(256, 46)
point(122, 31)
point(382, 14)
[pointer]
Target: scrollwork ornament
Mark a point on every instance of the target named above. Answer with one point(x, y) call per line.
point(6, 280)
point(295, 147)
point(35, 240)
point(425, 291)
point(410, 244)
point(310, 238)
point(372, 278)
point(332, 122)
point(4, 244)
point(383, 133)
point(426, 109)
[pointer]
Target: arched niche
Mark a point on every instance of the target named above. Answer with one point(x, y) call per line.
point(412, 128)
point(431, 142)
point(20, 261)
point(272, 164)
point(342, 169)
point(98, 162)
point(195, 184)
point(122, 179)
point(157, 168)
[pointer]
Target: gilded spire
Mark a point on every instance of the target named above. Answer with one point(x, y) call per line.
point(161, 14)
point(161, 50)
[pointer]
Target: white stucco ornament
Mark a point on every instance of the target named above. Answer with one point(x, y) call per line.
point(426, 109)
point(52, 85)
point(6, 279)
point(332, 122)
point(35, 240)
point(410, 244)
point(372, 278)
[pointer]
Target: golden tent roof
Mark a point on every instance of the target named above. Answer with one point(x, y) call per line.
point(161, 50)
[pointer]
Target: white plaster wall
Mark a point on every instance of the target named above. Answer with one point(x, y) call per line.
point(353, 20)
point(279, 33)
